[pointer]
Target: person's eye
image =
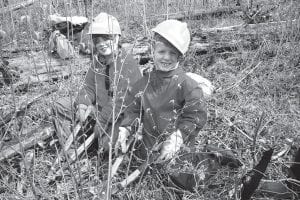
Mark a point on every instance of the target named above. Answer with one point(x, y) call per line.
point(108, 37)
point(96, 39)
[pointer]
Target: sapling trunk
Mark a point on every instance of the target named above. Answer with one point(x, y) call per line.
point(110, 143)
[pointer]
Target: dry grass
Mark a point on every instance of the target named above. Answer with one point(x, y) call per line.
point(249, 83)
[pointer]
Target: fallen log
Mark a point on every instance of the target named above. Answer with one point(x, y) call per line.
point(15, 7)
point(198, 14)
point(26, 143)
point(48, 76)
point(200, 48)
point(40, 79)
point(260, 28)
point(220, 39)
point(67, 144)
point(11, 49)
point(218, 47)
point(21, 110)
point(228, 39)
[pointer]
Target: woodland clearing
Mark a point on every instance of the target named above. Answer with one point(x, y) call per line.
point(250, 51)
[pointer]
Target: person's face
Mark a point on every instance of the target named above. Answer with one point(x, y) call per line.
point(166, 56)
point(105, 44)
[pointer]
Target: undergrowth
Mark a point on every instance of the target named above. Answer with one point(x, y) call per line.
point(262, 82)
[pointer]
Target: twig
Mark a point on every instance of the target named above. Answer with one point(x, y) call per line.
point(282, 152)
point(118, 161)
point(140, 171)
point(70, 139)
point(238, 129)
point(253, 28)
point(239, 81)
point(82, 147)
point(16, 6)
point(196, 13)
point(258, 125)
point(27, 143)
point(19, 111)
point(111, 139)
point(78, 191)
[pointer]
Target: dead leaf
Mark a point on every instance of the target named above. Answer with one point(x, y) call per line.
point(52, 142)
point(42, 144)
point(2, 34)
point(25, 19)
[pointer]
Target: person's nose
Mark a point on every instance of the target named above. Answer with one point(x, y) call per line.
point(101, 44)
point(167, 56)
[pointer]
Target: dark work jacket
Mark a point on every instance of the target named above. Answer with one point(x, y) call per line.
point(166, 101)
point(98, 86)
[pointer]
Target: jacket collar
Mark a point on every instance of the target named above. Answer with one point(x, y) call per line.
point(162, 74)
point(100, 63)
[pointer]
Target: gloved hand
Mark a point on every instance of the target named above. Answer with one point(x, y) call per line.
point(121, 141)
point(83, 111)
point(171, 146)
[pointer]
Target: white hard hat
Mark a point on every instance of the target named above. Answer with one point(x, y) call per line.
point(176, 33)
point(104, 24)
point(76, 20)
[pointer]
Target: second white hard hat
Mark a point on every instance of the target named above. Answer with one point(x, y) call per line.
point(176, 33)
point(105, 24)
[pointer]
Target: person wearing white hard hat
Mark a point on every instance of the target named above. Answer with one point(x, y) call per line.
point(105, 31)
point(172, 104)
point(109, 63)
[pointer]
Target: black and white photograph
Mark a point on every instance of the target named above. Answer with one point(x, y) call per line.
point(149, 99)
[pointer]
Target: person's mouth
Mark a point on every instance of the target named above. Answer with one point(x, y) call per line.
point(166, 64)
point(102, 48)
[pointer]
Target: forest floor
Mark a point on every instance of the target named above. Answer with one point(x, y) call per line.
point(255, 107)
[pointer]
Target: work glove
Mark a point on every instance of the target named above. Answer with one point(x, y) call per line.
point(171, 146)
point(121, 141)
point(83, 111)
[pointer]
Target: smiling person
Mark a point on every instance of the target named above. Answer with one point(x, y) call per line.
point(109, 63)
point(170, 103)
